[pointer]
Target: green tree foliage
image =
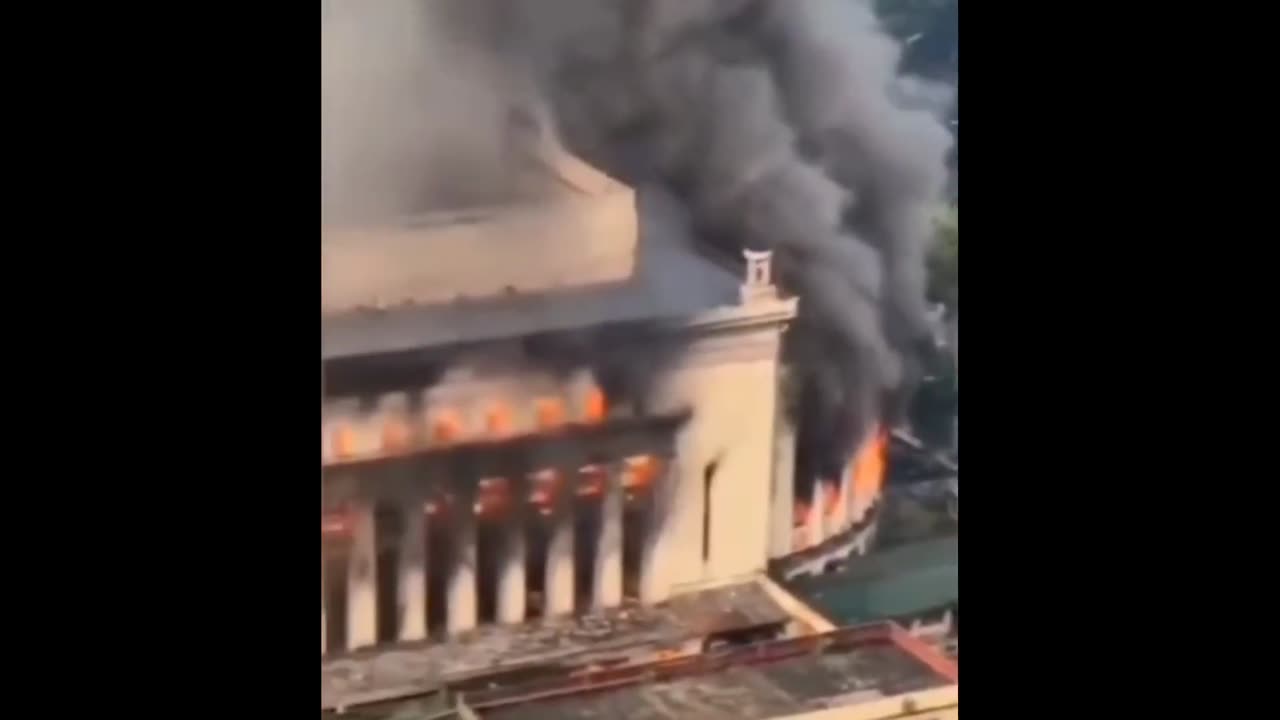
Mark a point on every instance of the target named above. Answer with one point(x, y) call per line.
point(930, 30)
point(944, 260)
point(930, 33)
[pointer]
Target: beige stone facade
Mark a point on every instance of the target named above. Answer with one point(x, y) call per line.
point(711, 512)
point(503, 491)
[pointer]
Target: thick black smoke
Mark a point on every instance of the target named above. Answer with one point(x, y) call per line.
point(777, 122)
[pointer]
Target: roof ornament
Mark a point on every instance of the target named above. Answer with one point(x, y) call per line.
point(757, 284)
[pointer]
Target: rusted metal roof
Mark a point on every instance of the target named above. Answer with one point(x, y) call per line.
point(844, 667)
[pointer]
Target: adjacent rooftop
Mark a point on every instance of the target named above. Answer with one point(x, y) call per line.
point(879, 668)
point(895, 582)
point(551, 648)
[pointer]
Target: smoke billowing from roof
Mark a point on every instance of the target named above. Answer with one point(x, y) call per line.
point(780, 123)
point(414, 106)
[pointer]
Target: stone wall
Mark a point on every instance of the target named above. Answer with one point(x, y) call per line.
point(730, 438)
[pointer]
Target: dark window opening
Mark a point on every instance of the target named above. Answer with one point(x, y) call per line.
point(386, 528)
point(634, 524)
point(586, 539)
point(386, 583)
point(335, 595)
point(440, 549)
point(708, 474)
point(535, 565)
point(488, 548)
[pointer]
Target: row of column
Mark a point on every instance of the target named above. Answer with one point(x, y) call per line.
point(824, 520)
point(461, 591)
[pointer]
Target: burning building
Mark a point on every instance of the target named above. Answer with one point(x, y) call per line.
point(601, 421)
point(594, 422)
point(541, 394)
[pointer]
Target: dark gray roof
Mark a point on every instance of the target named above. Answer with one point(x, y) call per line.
point(672, 280)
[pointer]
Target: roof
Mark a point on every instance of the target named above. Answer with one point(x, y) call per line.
point(551, 648)
point(896, 582)
point(783, 678)
point(672, 280)
point(578, 228)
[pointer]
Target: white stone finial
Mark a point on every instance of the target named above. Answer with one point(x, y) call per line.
point(758, 282)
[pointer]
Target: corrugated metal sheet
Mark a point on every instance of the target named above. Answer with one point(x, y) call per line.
point(893, 583)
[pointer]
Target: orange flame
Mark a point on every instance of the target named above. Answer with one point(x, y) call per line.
point(497, 420)
point(344, 441)
point(446, 427)
point(595, 407)
point(868, 466)
point(639, 471)
point(550, 413)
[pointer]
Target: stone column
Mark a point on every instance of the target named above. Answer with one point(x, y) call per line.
point(851, 498)
point(411, 587)
point(461, 607)
point(362, 585)
point(324, 618)
point(655, 580)
point(844, 488)
point(558, 586)
point(607, 575)
point(826, 517)
point(511, 580)
point(783, 510)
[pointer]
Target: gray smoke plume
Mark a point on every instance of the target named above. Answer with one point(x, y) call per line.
point(415, 102)
point(780, 125)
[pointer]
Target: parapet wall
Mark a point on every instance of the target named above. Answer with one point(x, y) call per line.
point(586, 234)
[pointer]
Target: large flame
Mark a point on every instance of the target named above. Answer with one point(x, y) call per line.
point(396, 434)
point(868, 467)
point(595, 407)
